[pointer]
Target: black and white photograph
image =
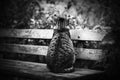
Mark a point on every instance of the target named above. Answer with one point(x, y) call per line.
point(59, 40)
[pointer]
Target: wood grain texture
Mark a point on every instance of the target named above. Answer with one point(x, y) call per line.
point(82, 53)
point(86, 35)
point(27, 33)
point(47, 34)
point(38, 70)
point(89, 54)
point(26, 49)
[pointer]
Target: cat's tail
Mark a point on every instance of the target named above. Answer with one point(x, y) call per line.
point(67, 70)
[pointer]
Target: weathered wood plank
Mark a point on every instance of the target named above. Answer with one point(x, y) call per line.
point(86, 35)
point(26, 49)
point(40, 70)
point(27, 33)
point(47, 34)
point(89, 54)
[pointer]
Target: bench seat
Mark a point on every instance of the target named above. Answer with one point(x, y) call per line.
point(38, 70)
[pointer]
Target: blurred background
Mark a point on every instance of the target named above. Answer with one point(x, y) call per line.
point(101, 16)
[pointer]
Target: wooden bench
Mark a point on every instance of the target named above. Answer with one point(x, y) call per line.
point(39, 70)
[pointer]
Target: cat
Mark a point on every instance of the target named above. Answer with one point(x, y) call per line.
point(61, 54)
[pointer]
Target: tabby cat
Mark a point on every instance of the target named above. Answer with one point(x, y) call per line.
point(61, 54)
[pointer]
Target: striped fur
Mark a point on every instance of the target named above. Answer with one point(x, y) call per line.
point(61, 53)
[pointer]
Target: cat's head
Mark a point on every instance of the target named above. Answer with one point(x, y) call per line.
point(62, 23)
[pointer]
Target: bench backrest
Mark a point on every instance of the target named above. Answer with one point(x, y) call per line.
point(76, 35)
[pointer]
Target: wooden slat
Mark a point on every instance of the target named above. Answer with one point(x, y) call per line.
point(86, 35)
point(89, 54)
point(47, 34)
point(27, 33)
point(31, 70)
point(26, 49)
